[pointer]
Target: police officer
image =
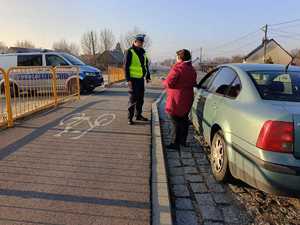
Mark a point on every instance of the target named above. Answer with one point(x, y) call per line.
point(136, 70)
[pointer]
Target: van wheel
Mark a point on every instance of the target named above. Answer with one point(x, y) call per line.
point(14, 90)
point(219, 158)
point(90, 89)
point(82, 89)
point(2, 92)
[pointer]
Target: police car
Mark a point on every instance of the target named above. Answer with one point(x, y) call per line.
point(90, 77)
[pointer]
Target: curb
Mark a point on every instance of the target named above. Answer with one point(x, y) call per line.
point(161, 207)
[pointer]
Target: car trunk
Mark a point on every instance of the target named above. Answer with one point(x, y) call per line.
point(294, 110)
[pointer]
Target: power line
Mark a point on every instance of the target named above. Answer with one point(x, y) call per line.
point(239, 47)
point(286, 22)
point(295, 25)
point(236, 40)
point(238, 44)
point(241, 50)
point(286, 36)
point(285, 32)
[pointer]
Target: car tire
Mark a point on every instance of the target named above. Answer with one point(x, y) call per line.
point(82, 88)
point(2, 89)
point(218, 158)
point(90, 90)
point(14, 90)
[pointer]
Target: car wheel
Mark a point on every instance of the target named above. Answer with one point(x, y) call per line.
point(90, 89)
point(82, 88)
point(14, 90)
point(218, 158)
point(2, 91)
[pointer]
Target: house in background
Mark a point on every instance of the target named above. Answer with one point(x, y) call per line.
point(275, 53)
point(111, 58)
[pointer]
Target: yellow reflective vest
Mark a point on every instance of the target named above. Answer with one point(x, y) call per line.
point(136, 68)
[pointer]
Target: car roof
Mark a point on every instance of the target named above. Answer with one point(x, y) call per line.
point(32, 53)
point(262, 67)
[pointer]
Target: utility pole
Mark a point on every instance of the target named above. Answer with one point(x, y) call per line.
point(265, 29)
point(201, 54)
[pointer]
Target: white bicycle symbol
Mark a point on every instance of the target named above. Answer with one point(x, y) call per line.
point(74, 120)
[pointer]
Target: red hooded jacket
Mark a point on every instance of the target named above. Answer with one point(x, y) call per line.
point(179, 85)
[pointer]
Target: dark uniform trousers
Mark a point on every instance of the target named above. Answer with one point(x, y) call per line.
point(180, 129)
point(136, 98)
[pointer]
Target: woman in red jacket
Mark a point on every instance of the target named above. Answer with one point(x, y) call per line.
point(179, 85)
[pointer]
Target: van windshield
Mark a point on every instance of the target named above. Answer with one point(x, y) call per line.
point(73, 60)
point(277, 85)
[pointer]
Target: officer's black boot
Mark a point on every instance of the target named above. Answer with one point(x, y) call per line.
point(130, 116)
point(141, 118)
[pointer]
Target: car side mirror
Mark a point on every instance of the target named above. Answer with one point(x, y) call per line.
point(200, 86)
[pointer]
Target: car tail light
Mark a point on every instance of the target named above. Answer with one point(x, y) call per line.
point(276, 136)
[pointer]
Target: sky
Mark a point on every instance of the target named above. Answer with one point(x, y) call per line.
point(216, 26)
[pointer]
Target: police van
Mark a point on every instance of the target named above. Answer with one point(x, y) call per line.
point(90, 77)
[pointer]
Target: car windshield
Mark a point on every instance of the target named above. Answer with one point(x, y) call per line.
point(73, 60)
point(277, 85)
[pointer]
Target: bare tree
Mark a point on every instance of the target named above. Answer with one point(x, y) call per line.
point(90, 43)
point(24, 44)
point(64, 46)
point(107, 39)
point(3, 48)
point(221, 60)
point(168, 62)
point(128, 38)
point(237, 59)
point(295, 53)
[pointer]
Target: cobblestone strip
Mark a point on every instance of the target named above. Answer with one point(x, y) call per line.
point(195, 195)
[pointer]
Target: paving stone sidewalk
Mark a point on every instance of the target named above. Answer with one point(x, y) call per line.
point(196, 197)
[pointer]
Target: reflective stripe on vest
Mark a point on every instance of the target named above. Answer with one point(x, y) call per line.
point(136, 69)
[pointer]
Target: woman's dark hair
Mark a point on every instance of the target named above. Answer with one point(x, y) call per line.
point(184, 55)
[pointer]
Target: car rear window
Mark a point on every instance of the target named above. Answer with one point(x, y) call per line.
point(277, 85)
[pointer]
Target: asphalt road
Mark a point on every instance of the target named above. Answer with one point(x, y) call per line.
point(78, 164)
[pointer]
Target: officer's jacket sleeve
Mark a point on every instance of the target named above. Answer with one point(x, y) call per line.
point(127, 63)
point(148, 75)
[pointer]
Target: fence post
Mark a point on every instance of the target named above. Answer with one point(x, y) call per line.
point(108, 75)
point(10, 121)
point(54, 85)
point(78, 83)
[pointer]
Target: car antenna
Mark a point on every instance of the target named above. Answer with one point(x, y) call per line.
point(288, 65)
